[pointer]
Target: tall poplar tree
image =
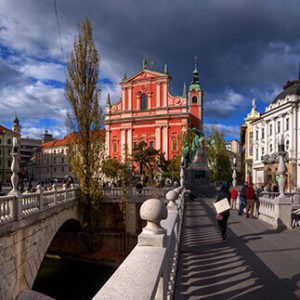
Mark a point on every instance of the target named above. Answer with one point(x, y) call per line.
point(84, 118)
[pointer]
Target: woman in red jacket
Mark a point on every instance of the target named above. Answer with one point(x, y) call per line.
point(233, 197)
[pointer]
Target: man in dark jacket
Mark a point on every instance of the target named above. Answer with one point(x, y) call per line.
point(242, 196)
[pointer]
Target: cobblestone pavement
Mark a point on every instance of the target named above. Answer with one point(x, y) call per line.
point(255, 262)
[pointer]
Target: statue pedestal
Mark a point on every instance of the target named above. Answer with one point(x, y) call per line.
point(198, 177)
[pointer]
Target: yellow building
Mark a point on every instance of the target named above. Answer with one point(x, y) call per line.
point(247, 142)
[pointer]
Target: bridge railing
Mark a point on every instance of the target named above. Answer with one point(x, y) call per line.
point(149, 270)
point(13, 208)
point(134, 194)
point(274, 209)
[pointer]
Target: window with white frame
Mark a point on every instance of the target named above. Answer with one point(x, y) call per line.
point(278, 126)
point(271, 148)
point(270, 129)
point(287, 124)
point(287, 145)
point(262, 133)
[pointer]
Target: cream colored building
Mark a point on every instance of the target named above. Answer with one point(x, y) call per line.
point(279, 123)
point(247, 142)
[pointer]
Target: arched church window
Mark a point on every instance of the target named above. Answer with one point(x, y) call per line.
point(143, 102)
point(194, 99)
point(287, 145)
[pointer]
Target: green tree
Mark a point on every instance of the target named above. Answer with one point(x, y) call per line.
point(217, 156)
point(85, 117)
point(148, 159)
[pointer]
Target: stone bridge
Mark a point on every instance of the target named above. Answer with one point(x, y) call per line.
point(28, 224)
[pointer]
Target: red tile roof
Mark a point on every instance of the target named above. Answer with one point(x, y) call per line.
point(3, 129)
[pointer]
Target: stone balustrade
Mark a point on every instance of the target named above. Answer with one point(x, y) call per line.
point(149, 271)
point(13, 208)
point(134, 195)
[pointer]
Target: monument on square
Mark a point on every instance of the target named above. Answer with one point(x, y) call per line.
point(197, 177)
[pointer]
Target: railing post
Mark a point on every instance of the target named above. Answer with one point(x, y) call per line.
point(171, 196)
point(39, 191)
point(17, 207)
point(54, 188)
point(153, 234)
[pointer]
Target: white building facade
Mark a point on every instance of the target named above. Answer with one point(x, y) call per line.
point(279, 123)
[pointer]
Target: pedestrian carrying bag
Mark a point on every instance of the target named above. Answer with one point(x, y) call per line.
point(222, 206)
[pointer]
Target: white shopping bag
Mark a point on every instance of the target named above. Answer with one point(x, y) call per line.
point(222, 205)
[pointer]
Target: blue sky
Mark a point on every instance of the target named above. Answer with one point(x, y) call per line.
point(245, 49)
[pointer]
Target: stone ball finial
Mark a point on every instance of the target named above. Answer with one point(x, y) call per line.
point(171, 196)
point(153, 211)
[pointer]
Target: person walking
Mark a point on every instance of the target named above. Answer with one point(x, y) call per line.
point(250, 196)
point(233, 197)
point(243, 201)
point(223, 217)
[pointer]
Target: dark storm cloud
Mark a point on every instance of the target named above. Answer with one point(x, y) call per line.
point(9, 76)
point(245, 48)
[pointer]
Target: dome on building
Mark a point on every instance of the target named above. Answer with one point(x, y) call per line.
point(290, 88)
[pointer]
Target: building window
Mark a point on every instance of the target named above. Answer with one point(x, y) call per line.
point(174, 145)
point(270, 129)
point(135, 144)
point(62, 169)
point(251, 144)
point(8, 141)
point(62, 159)
point(262, 151)
point(62, 151)
point(278, 126)
point(256, 133)
point(271, 148)
point(287, 145)
point(194, 99)
point(0, 141)
point(54, 151)
point(115, 147)
point(262, 133)
point(151, 144)
point(256, 154)
point(54, 169)
point(144, 102)
point(287, 124)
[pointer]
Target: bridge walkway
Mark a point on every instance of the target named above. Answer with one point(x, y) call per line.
point(255, 262)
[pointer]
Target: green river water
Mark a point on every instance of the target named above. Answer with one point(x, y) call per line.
point(65, 279)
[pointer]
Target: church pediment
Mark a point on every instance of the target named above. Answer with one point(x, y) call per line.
point(145, 75)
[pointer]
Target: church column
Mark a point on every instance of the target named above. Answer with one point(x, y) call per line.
point(165, 94)
point(129, 98)
point(158, 138)
point(123, 140)
point(149, 100)
point(123, 98)
point(107, 142)
point(129, 140)
point(165, 139)
point(158, 94)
